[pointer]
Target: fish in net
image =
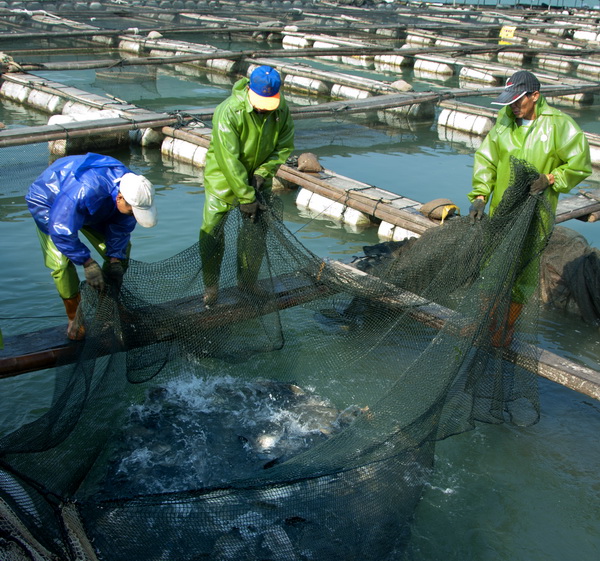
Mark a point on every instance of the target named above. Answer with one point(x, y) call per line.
point(297, 421)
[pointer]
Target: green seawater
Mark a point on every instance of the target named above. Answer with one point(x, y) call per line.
point(498, 492)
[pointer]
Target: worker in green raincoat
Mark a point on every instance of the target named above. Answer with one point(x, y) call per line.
point(528, 129)
point(252, 135)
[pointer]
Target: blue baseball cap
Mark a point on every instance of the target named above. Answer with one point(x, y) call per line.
point(263, 91)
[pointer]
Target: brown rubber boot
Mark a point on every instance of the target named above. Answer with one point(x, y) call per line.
point(503, 331)
point(211, 293)
point(75, 330)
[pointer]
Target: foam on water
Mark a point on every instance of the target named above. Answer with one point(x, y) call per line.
point(207, 431)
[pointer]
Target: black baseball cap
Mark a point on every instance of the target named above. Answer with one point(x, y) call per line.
point(519, 84)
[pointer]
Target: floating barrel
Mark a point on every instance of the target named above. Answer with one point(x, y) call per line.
point(82, 144)
point(251, 68)
point(346, 92)
point(589, 35)
point(146, 137)
point(322, 206)
point(161, 53)
point(167, 17)
point(15, 92)
point(473, 124)
point(224, 65)
point(46, 102)
point(589, 69)
point(447, 43)
point(389, 232)
point(434, 67)
point(479, 76)
point(295, 42)
point(74, 107)
point(104, 40)
point(511, 58)
point(391, 62)
point(306, 85)
point(393, 33)
point(324, 45)
point(433, 70)
point(539, 44)
point(131, 46)
point(183, 151)
point(554, 63)
point(558, 31)
point(488, 57)
point(361, 61)
point(418, 40)
point(569, 46)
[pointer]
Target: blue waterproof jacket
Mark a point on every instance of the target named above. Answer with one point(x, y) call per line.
point(79, 191)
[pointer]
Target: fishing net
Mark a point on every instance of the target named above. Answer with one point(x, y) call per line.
point(570, 275)
point(294, 418)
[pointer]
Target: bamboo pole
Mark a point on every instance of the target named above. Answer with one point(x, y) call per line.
point(66, 352)
point(77, 129)
point(592, 217)
point(378, 208)
point(43, 133)
point(295, 53)
point(390, 101)
point(549, 365)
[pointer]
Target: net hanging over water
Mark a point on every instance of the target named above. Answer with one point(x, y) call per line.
point(296, 419)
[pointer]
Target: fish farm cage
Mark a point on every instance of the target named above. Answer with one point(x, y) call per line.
point(300, 422)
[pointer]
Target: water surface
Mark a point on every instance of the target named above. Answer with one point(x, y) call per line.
point(498, 492)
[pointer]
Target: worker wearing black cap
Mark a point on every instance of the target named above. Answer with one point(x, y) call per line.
point(529, 129)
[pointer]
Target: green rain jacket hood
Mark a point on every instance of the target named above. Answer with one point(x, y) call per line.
point(553, 143)
point(245, 143)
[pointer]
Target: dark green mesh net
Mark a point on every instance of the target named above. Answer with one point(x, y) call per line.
point(294, 419)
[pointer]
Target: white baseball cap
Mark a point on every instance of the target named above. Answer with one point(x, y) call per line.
point(139, 193)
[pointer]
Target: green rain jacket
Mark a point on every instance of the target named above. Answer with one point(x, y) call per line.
point(553, 143)
point(245, 143)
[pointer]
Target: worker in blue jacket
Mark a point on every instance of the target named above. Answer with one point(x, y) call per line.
point(101, 198)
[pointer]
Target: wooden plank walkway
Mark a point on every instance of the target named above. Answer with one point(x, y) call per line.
point(379, 203)
point(376, 202)
point(50, 347)
point(46, 348)
point(404, 212)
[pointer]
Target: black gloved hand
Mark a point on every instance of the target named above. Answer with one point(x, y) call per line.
point(93, 275)
point(539, 185)
point(476, 210)
point(250, 210)
point(114, 273)
point(257, 182)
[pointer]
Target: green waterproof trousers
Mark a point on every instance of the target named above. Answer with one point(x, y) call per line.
point(250, 244)
point(62, 269)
